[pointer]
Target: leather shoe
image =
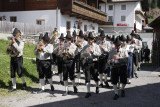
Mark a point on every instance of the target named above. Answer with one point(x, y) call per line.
point(12, 90)
point(101, 85)
point(107, 85)
point(65, 94)
point(61, 82)
point(88, 95)
point(116, 96)
point(122, 93)
point(41, 91)
point(136, 75)
point(97, 90)
point(52, 88)
point(75, 89)
point(24, 86)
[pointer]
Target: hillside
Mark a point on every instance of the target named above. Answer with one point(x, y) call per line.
point(154, 10)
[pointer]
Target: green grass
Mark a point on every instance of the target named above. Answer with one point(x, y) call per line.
point(29, 68)
point(150, 20)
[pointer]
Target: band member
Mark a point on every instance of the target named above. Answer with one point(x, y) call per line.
point(134, 43)
point(15, 49)
point(112, 40)
point(79, 61)
point(139, 51)
point(68, 54)
point(54, 40)
point(130, 49)
point(37, 59)
point(124, 44)
point(44, 52)
point(90, 52)
point(74, 40)
point(118, 58)
point(57, 51)
point(102, 63)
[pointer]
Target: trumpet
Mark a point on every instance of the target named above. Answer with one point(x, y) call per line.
point(66, 51)
point(38, 47)
point(60, 48)
point(12, 51)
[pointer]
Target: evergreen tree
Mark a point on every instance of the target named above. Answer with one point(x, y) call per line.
point(158, 3)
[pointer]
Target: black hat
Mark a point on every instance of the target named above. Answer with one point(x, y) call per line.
point(61, 37)
point(15, 31)
point(132, 33)
point(81, 33)
point(117, 42)
point(128, 38)
point(113, 38)
point(40, 36)
point(68, 36)
point(46, 37)
point(90, 35)
point(102, 34)
point(122, 38)
point(108, 37)
point(86, 37)
point(74, 33)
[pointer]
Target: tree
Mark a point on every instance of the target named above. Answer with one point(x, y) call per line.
point(158, 3)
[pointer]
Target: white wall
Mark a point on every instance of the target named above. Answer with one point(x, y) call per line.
point(31, 16)
point(50, 19)
point(65, 18)
point(117, 13)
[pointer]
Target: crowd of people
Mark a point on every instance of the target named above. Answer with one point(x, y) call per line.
point(117, 57)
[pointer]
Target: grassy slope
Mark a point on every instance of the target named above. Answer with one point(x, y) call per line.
point(29, 68)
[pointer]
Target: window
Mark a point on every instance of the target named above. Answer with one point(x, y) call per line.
point(0, 18)
point(93, 28)
point(123, 18)
point(13, 0)
point(123, 7)
point(110, 7)
point(68, 25)
point(85, 28)
point(13, 19)
point(99, 7)
point(40, 22)
point(110, 18)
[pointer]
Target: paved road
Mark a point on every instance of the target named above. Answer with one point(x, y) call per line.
point(143, 92)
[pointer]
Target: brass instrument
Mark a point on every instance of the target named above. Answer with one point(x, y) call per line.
point(66, 51)
point(12, 51)
point(60, 48)
point(40, 43)
point(53, 37)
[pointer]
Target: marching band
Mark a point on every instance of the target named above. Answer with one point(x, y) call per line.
point(116, 57)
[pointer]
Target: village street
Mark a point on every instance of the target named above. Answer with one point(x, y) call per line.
point(142, 92)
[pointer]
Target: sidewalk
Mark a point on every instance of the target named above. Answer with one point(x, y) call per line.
point(143, 92)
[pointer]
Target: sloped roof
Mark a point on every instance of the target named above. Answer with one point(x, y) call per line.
point(155, 22)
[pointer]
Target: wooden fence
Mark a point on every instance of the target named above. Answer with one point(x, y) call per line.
point(23, 27)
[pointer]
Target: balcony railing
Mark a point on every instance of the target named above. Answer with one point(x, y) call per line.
point(81, 10)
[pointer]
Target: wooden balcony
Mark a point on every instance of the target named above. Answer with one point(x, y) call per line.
point(81, 10)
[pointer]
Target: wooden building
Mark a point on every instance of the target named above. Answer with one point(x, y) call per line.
point(156, 41)
point(84, 14)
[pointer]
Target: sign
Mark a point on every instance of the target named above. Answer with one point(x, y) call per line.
point(121, 24)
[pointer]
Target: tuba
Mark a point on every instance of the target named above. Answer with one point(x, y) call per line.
point(53, 37)
point(12, 51)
